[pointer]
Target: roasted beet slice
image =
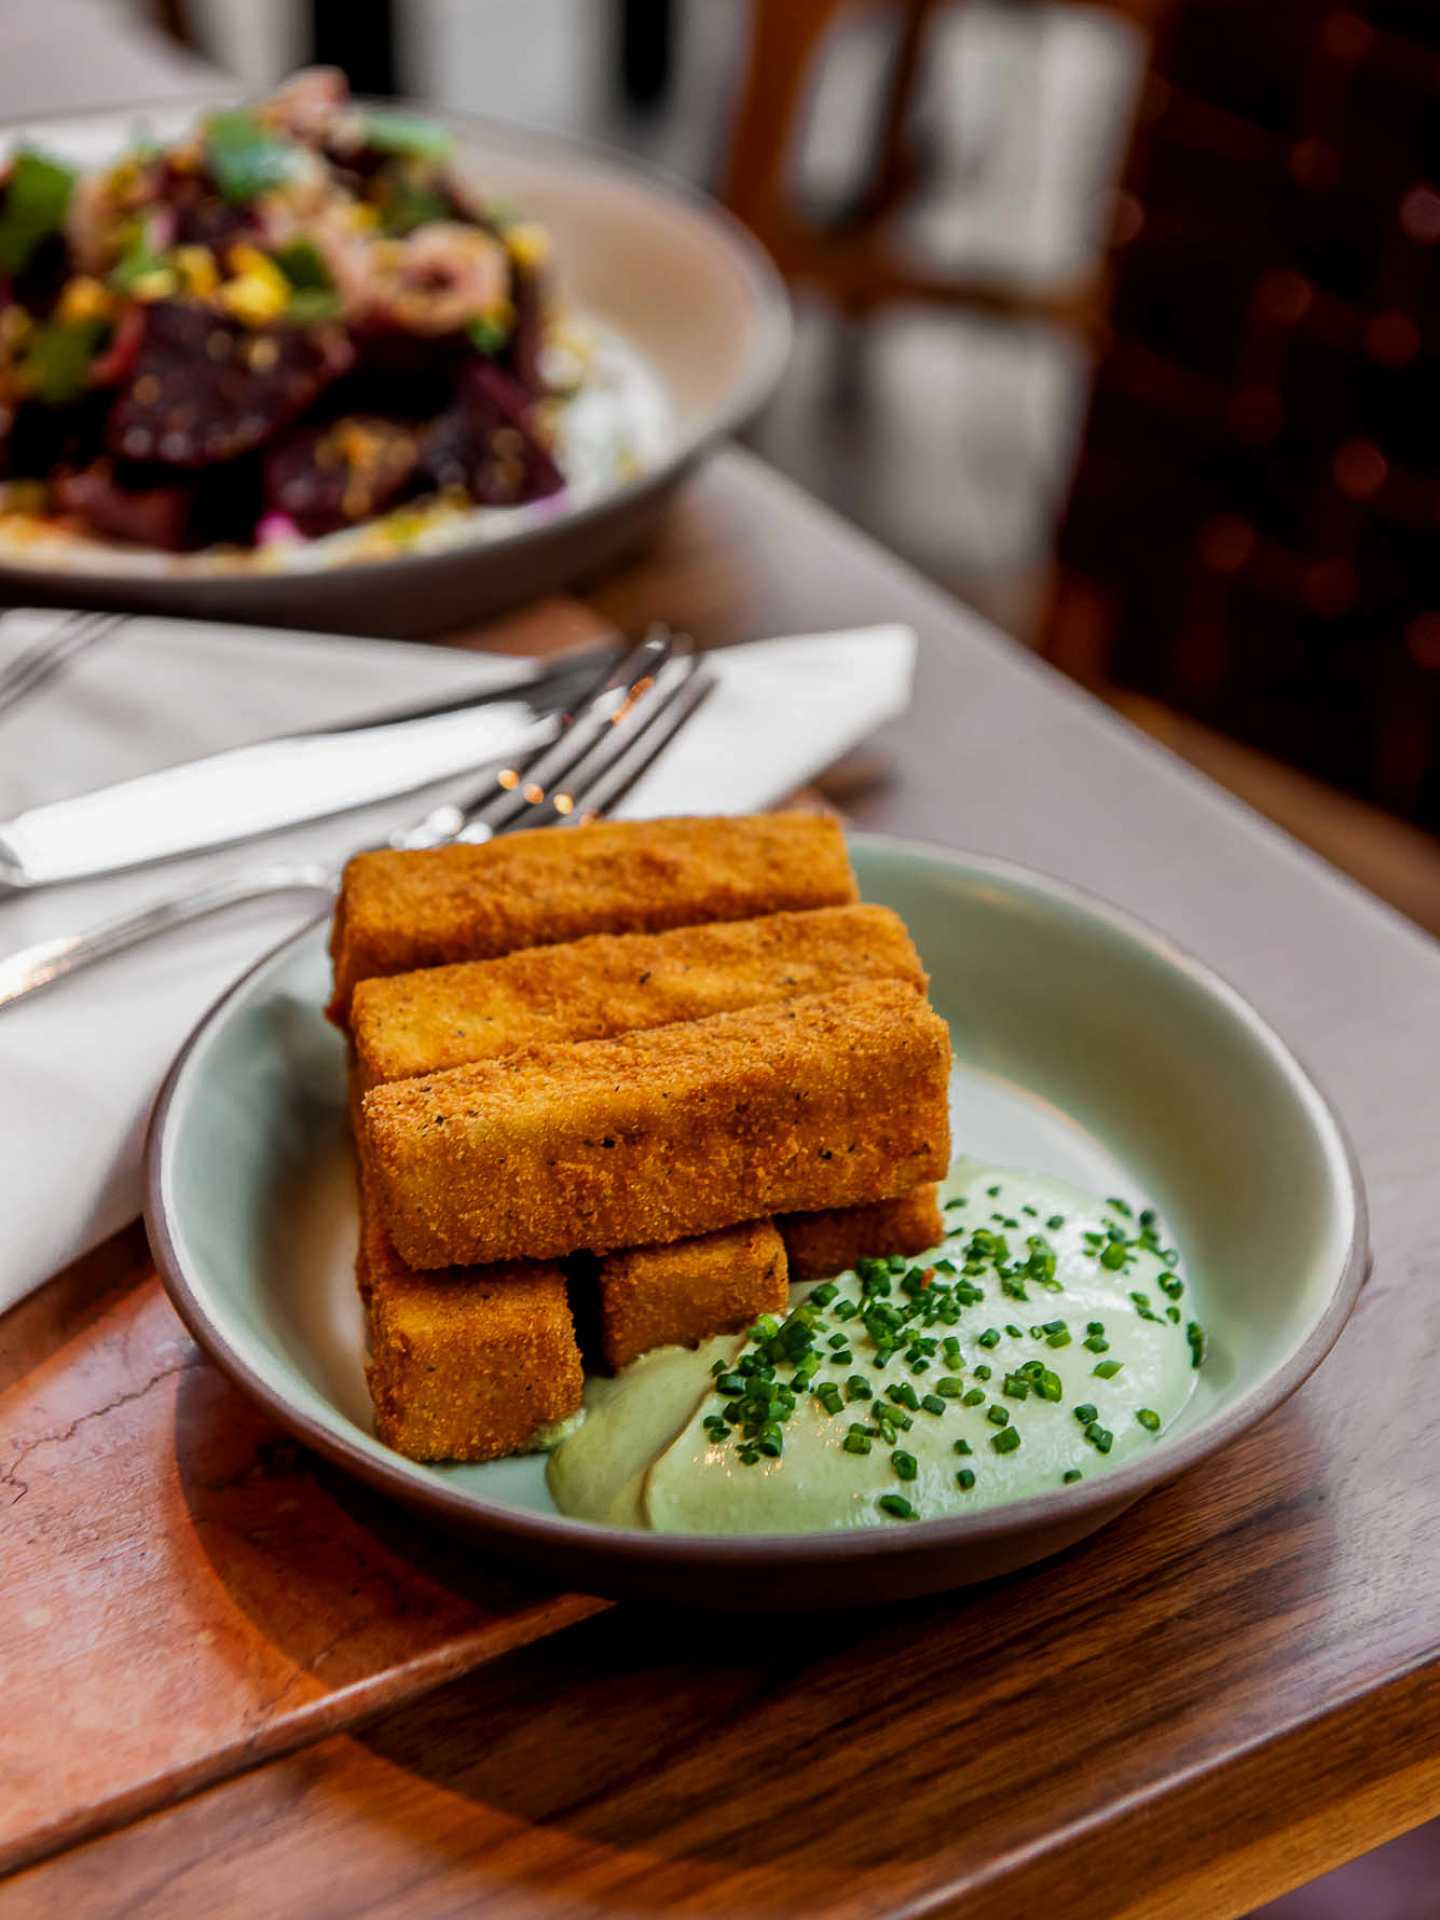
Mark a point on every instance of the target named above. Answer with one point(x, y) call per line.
point(40, 440)
point(149, 516)
point(203, 390)
point(334, 476)
point(202, 218)
point(486, 444)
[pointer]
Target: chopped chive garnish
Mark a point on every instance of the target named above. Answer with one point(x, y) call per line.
point(905, 1464)
point(858, 1388)
point(1061, 1339)
point(1097, 1343)
point(965, 1479)
point(962, 1447)
point(1195, 1334)
point(896, 1505)
point(1148, 1419)
point(857, 1443)
point(990, 1337)
point(973, 1397)
point(998, 1416)
point(1107, 1369)
point(1086, 1413)
point(949, 1387)
point(982, 1373)
point(932, 1403)
point(1113, 1255)
point(1071, 1475)
point(1006, 1441)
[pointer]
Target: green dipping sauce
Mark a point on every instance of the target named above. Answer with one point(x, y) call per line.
point(1052, 1342)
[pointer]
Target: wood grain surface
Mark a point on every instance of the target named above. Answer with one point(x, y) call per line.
point(1227, 1691)
point(185, 1592)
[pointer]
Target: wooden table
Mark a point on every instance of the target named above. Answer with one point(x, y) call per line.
point(281, 1696)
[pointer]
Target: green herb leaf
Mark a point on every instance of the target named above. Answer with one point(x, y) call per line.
point(35, 205)
point(58, 359)
point(407, 133)
point(245, 159)
point(303, 265)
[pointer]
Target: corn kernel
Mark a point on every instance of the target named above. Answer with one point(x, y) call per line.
point(85, 299)
point(156, 285)
point(259, 292)
point(252, 301)
point(528, 244)
point(198, 269)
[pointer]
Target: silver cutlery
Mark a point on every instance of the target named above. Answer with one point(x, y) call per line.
point(614, 731)
point(71, 635)
point(258, 789)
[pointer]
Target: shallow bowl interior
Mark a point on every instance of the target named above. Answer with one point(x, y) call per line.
point(1085, 1047)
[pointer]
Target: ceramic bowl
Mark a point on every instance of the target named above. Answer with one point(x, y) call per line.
point(1086, 1046)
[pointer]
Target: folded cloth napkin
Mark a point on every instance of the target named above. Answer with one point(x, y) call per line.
point(80, 1064)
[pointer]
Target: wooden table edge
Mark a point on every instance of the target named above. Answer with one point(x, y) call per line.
point(340, 1712)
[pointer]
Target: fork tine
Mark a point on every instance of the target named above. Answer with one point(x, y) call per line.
point(612, 736)
point(669, 712)
point(544, 775)
point(536, 792)
point(74, 634)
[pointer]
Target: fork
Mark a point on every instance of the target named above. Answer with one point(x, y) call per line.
point(620, 724)
point(72, 635)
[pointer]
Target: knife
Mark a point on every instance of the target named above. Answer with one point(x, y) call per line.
point(248, 791)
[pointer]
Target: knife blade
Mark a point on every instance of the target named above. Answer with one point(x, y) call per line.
point(248, 791)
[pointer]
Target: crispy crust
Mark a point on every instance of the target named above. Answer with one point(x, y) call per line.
point(818, 1245)
point(832, 1100)
point(422, 1022)
point(679, 1295)
point(464, 1365)
point(399, 911)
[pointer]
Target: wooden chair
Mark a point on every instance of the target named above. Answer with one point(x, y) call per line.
point(852, 259)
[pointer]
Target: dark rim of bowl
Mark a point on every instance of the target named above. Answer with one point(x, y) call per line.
point(756, 381)
point(596, 1546)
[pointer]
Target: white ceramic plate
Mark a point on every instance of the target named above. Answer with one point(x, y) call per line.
point(691, 327)
point(1086, 1047)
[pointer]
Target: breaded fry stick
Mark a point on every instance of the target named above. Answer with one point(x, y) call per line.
point(413, 1023)
point(828, 1101)
point(465, 1365)
point(681, 1294)
point(398, 911)
point(818, 1245)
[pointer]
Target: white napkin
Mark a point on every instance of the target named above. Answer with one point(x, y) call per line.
point(80, 1064)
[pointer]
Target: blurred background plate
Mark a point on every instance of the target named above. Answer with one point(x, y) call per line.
point(687, 303)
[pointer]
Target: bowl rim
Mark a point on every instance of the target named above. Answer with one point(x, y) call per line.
point(589, 1544)
point(756, 379)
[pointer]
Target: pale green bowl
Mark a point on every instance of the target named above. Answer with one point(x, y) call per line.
point(1086, 1046)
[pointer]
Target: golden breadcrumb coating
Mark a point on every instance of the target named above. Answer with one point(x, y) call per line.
point(465, 1365)
point(413, 1023)
point(681, 1294)
point(399, 911)
point(832, 1100)
point(818, 1245)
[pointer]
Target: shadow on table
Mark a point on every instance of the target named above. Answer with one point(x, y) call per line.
point(654, 1758)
